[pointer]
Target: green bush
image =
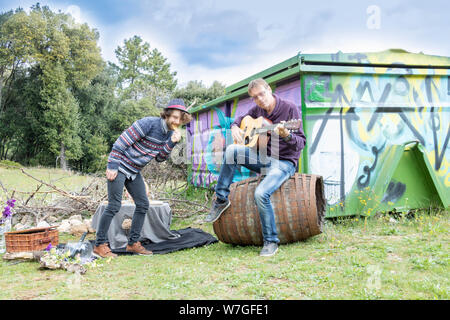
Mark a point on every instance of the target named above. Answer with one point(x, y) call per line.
point(8, 164)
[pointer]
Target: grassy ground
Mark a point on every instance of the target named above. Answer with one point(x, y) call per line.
point(382, 260)
point(351, 259)
point(14, 179)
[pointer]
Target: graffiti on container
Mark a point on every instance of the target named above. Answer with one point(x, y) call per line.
point(210, 135)
point(394, 191)
point(368, 171)
point(363, 114)
point(351, 122)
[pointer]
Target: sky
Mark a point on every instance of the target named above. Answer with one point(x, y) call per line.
point(228, 41)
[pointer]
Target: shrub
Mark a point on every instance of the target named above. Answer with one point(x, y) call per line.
point(8, 164)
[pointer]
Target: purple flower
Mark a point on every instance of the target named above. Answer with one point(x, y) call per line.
point(7, 212)
point(10, 202)
point(49, 247)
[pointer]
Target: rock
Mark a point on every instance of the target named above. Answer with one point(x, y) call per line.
point(88, 224)
point(75, 222)
point(49, 261)
point(126, 224)
point(76, 217)
point(19, 226)
point(43, 224)
point(52, 219)
point(75, 268)
point(78, 229)
point(64, 226)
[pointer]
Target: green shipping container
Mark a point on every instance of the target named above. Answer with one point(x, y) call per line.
point(377, 128)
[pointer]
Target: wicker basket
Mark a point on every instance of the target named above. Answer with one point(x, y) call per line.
point(35, 239)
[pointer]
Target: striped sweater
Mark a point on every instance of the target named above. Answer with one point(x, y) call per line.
point(146, 139)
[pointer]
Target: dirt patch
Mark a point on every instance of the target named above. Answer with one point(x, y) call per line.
point(278, 281)
point(394, 258)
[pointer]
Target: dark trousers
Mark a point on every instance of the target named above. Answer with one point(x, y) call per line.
point(136, 188)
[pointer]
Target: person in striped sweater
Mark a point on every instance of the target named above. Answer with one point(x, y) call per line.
point(146, 139)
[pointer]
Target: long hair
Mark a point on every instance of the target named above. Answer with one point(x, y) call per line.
point(185, 117)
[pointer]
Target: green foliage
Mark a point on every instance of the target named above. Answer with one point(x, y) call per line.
point(52, 55)
point(9, 164)
point(196, 91)
point(59, 123)
point(144, 84)
point(142, 72)
point(96, 104)
point(60, 103)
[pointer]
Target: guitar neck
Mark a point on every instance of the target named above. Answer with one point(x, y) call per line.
point(266, 128)
point(272, 127)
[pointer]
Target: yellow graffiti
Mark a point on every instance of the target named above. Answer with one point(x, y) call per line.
point(363, 133)
point(407, 58)
point(444, 170)
point(391, 125)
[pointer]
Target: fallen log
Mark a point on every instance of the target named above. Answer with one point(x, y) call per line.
point(31, 255)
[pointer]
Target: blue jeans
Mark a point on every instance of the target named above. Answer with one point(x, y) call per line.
point(276, 171)
point(136, 188)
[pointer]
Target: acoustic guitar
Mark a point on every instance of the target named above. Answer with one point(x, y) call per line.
point(253, 128)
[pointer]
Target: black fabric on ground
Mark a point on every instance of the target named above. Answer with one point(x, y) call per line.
point(189, 238)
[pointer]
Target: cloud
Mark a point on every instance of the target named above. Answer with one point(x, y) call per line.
point(219, 39)
point(75, 12)
point(230, 40)
point(202, 32)
point(201, 42)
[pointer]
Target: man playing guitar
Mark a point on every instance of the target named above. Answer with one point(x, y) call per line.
point(277, 161)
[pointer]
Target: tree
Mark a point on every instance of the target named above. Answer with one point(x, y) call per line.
point(63, 56)
point(144, 81)
point(69, 58)
point(97, 104)
point(196, 91)
point(141, 70)
point(16, 30)
point(60, 117)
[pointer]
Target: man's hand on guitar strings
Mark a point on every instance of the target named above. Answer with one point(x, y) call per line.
point(237, 134)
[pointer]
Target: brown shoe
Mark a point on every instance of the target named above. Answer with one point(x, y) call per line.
point(103, 251)
point(139, 249)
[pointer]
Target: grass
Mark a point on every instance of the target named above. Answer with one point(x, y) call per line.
point(346, 261)
point(351, 259)
point(14, 179)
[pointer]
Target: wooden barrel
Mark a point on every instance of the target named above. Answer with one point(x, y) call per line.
point(299, 206)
